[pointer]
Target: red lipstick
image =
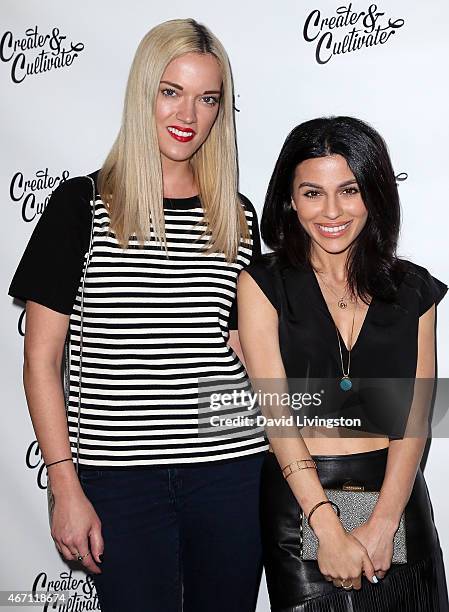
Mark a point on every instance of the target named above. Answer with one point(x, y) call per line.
point(181, 134)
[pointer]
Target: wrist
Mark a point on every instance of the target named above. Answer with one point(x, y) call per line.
point(384, 523)
point(325, 520)
point(62, 476)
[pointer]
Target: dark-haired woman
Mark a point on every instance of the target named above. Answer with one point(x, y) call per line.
point(333, 303)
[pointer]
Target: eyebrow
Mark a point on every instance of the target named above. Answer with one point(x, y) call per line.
point(314, 185)
point(176, 86)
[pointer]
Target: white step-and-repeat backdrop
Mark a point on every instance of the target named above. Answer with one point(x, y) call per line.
point(63, 69)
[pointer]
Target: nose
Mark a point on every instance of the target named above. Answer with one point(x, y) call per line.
point(186, 110)
point(332, 208)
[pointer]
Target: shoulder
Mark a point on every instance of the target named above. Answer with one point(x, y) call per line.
point(73, 196)
point(68, 212)
point(417, 276)
point(71, 200)
point(267, 264)
point(253, 224)
point(51, 265)
point(247, 204)
point(78, 187)
point(424, 288)
point(265, 271)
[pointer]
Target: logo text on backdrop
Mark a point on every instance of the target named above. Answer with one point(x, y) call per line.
point(32, 194)
point(36, 53)
point(348, 30)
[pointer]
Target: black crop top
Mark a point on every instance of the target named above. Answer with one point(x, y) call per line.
point(386, 348)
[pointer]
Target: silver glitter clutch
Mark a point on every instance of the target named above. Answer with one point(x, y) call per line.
point(65, 367)
point(356, 506)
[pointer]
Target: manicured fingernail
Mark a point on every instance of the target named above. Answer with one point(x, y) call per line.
point(375, 579)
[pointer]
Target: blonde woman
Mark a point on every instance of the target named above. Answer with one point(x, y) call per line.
point(160, 515)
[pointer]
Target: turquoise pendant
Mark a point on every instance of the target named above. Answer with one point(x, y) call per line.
point(345, 383)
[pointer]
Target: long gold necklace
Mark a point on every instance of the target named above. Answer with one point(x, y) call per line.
point(342, 301)
point(345, 381)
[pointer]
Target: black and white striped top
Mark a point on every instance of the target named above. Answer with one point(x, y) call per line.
point(154, 327)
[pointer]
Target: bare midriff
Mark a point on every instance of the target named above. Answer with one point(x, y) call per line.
point(340, 441)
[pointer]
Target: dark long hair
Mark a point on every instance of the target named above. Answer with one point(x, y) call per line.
point(372, 267)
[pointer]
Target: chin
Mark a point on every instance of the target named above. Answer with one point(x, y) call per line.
point(336, 250)
point(333, 247)
point(177, 156)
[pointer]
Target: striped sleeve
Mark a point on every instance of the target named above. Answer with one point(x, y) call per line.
point(256, 250)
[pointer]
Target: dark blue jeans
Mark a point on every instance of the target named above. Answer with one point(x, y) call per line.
point(179, 538)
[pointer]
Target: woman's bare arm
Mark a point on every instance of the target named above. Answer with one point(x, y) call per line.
point(234, 343)
point(45, 333)
point(404, 456)
point(258, 332)
point(43, 346)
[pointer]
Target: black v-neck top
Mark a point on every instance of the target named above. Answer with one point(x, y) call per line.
point(386, 347)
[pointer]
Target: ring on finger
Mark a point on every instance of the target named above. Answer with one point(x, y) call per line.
point(80, 557)
point(346, 587)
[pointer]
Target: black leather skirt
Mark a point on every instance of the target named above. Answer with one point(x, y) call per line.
point(298, 586)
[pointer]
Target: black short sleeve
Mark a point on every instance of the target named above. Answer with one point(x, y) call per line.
point(51, 265)
point(264, 273)
point(233, 315)
point(430, 290)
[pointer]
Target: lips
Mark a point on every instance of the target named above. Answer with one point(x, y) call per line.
point(332, 230)
point(181, 134)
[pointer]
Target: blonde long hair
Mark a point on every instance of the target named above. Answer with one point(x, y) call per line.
point(130, 181)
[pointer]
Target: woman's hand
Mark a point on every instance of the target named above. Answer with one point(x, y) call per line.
point(76, 529)
point(343, 559)
point(378, 541)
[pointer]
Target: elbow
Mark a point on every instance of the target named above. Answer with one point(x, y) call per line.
point(38, 363)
